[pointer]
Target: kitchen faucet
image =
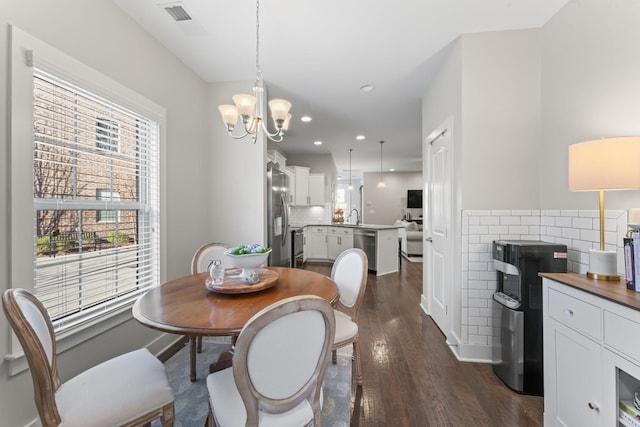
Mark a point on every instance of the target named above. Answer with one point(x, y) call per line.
point(357, 216)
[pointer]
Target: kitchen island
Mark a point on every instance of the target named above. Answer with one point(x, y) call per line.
point(324, 242)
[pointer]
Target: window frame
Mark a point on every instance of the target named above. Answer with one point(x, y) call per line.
point(25, 51)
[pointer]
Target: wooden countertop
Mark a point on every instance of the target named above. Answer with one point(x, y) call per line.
point(616, 292)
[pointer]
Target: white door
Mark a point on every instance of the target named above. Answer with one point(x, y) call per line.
point(437, 273)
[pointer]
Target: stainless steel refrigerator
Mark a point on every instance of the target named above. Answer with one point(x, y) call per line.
point(279, 238)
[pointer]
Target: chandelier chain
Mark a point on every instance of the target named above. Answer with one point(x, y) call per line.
point(258, 70)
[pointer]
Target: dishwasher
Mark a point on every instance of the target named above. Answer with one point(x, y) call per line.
point(366, 240)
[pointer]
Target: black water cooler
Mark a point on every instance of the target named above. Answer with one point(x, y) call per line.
point(517, 310)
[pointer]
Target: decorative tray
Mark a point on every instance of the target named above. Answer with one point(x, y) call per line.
point(235, 284)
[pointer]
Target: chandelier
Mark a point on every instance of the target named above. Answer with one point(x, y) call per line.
point(250, 107)
point(381, 184)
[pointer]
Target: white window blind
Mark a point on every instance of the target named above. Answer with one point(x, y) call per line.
point(96, 202)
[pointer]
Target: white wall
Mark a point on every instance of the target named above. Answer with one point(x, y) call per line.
point(580, 72)
point(385, 205)
point(590, 89)
point(500, 119)
point(100, 35)
point(236, 177)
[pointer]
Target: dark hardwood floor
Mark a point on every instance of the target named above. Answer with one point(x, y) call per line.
point(411, 378)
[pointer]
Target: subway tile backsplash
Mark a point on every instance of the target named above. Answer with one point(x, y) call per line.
point(577, 229)
point(303, 215)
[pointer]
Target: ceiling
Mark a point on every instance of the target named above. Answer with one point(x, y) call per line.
point(317, 54)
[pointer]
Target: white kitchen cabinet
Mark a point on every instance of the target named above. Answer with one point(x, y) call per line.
point(277, 157)
point(339, 239)
point(573, 363)
point(317, 189)
point(316, 237)
point(301, 184)
point(591, 350)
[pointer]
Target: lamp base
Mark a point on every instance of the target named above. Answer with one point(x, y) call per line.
point(603, 265)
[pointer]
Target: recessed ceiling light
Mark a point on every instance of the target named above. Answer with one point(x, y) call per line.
point(360, 137)
point(367, 88)
point(317, 142)
point(391, 170)
point(305, 119)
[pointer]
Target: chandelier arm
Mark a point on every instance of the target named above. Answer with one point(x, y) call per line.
point(269, 134)
point(280, 139)
point(237, 136)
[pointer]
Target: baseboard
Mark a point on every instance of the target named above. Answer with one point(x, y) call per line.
point(472, 353)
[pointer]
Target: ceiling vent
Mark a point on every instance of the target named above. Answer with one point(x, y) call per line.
point(178, 13)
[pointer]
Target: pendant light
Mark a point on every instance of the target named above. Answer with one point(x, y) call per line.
point(350, 187)
point(381, 184)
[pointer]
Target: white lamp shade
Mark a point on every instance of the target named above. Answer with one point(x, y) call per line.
point(229, 114)
point(279, 109)
point(245, 104)
point(605, 164)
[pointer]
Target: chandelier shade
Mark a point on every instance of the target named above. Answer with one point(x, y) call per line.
point(248, 108)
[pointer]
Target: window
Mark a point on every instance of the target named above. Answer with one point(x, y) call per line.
point(107, 216)
point(95, 201)
point(87, 273)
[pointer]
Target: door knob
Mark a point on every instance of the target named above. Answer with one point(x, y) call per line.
point(429, 239)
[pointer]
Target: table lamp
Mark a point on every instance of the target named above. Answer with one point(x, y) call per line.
point(599, 165)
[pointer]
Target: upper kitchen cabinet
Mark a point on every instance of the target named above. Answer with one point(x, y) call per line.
point(317, 188)
point(308, 189)
point(300, 186)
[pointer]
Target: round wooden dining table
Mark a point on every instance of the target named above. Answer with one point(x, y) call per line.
point(185, 306)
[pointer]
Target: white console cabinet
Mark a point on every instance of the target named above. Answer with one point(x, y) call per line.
point(591, 350)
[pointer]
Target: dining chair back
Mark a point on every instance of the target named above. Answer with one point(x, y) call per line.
point(206, 253)
point(349, 272)
point(279, 363)
point(128, 390)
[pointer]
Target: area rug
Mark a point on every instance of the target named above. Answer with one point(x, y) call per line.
point(191, 398)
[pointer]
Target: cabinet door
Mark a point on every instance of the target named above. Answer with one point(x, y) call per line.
point(317, 242)
point(333, 246)
point(572, 376)
point(317, 189)
point(302, 186)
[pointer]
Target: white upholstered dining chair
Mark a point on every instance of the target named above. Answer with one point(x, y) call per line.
point(200, 263)
point(279, 363)
point(349, 271)
point(129, 390)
